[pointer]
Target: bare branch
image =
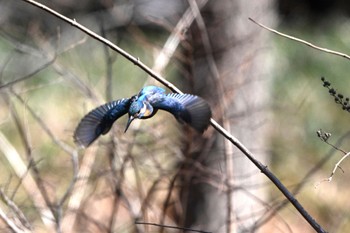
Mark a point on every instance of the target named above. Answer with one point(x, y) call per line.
point(171, 227)
point(302, 41)
point(20, 215)
point(175, 38)
point(11, 224)
point(324, 136)
point(80, 187)
point(28, 182)
point(337, 165)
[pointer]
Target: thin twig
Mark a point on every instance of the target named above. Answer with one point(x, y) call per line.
point(136, 61)
point(171, 227)
point(268, 216)
point(20, 215)
point(174, 39)
point(11, 224)
point(22, 133)
point(218, 127)
point(337, 165)
point(65, 147)
point(79, 190)
point(119, 195)
point(167, 200)
point(302, 41)
point(32, 163)
point(324, 136)
point(109, 66)
point(28, 182)
point(27, 50)
point(31, 74)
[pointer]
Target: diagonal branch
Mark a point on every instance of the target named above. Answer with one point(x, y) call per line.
point(10, 223)
point(29, 183)
point(302, 41)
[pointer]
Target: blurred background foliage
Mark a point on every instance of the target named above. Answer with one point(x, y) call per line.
point(302, 106)
point(76, 80)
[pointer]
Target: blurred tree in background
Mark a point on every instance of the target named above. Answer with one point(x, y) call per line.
point(265, 90)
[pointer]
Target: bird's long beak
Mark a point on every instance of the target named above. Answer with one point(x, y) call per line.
point(131, 118)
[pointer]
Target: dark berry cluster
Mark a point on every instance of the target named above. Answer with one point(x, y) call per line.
point(324, 136)
point(338, 97)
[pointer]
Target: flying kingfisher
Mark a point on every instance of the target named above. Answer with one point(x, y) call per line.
point(187, 108)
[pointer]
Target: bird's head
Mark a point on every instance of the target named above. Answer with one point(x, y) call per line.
point(139, 109)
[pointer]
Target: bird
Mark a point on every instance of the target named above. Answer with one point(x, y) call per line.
point(186, 108)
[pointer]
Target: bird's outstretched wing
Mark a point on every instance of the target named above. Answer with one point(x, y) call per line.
point(99, 121)
point(191, 109)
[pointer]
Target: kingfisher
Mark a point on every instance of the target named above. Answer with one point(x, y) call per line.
point(186, 108)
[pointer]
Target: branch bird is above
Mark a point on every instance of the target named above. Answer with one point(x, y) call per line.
point(186, 108)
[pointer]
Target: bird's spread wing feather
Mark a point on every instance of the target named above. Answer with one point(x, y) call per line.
point(99, 121)
point(191, 109)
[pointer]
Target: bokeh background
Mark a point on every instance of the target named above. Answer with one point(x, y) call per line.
point(264, 89)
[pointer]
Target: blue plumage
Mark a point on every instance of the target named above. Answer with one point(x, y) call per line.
point(100, 120)
point(187, 108)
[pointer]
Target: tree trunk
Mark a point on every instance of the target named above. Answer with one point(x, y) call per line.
point(230, 70)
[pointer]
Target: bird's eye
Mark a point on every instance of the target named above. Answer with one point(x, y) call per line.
point(142, 110)
point(136, 114)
